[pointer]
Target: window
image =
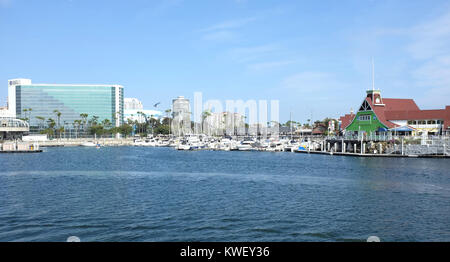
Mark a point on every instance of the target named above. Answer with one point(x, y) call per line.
point(410, 122)
point(364, 117)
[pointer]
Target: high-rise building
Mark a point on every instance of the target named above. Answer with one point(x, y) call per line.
point(39, 101)
point(223, 123)
point(181, 124)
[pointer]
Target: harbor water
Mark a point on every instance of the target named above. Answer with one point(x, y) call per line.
point(161, 194)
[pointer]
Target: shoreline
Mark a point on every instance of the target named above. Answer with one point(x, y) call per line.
point(117, 142)
point(346, 154)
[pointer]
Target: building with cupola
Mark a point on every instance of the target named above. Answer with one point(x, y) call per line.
point(400, 116)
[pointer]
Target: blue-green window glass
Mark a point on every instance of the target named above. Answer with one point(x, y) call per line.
point(71, 101)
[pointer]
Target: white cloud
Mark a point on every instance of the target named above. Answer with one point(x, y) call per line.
point(224, 31)
point(236, 23)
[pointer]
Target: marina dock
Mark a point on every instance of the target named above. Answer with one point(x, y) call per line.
point(19, 147)
point(394, 148)
point(370, 155)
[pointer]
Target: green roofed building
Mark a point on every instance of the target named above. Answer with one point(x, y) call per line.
point(402, 116)
point(366, 120)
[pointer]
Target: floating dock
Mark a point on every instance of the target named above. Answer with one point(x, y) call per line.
point(19, 147)
point(369, 155)
point(21, 151)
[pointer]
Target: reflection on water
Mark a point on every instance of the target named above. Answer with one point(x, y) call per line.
point(159, 194)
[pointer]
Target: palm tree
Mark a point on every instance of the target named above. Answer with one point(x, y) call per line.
point(29, 114)
point(152, 122)
point(138, 122)
point(84, 117)
point(106, 123)
point(94, 120)
point(58, 115)
point(28, 118)
point(25, 117)
point(51, 126)
point(41, 119)
point(60, 130)
point(168, 111)
point(77, 123)
point(205, 115)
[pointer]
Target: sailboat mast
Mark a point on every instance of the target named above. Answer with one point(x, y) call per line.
point(373, 79)
point(290, 122)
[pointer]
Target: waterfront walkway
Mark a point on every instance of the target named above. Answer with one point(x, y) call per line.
point(81, 141)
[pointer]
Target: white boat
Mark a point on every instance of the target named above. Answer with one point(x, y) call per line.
point(162, 143)
point(291, 146)
point(138, 142)
point(244, 147)
point(150, 142)
point(184, 147)
point(89, 144)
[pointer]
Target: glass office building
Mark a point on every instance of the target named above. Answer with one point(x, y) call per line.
point(103, 101)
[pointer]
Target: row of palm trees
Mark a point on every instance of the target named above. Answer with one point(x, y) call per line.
point(53, 127)
point(146, 124)
point(92, 126)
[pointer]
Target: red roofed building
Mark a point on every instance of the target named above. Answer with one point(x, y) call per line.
point(377, 115)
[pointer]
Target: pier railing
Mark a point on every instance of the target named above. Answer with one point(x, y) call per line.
point(390, 137)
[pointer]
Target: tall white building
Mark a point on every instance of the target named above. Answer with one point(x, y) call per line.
point(181, 124)
point(223, 123)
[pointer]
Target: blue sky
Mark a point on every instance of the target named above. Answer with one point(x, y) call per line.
point(313, 56)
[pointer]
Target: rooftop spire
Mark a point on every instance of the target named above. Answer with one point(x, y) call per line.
point(373, 75)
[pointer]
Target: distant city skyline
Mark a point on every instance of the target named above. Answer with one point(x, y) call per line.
point(315, 58)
